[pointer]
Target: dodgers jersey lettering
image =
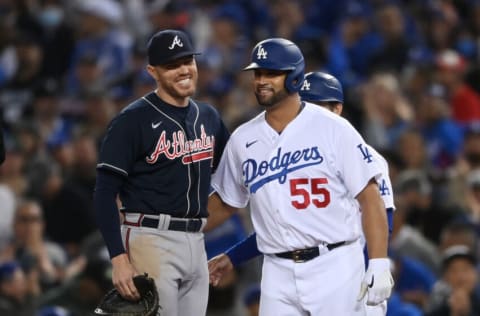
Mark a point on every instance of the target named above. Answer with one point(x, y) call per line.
point(168, 160)
point(300, 186)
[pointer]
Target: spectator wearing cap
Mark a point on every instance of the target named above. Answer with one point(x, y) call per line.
point(463, 175)
point(223, 58)
point(424, 210)
point(408, 240)
point(464, 101)
point(17, 294)
point(67, 211)
point(17, 95)
point(47, 116)
point(53, 311)
point(459, 232)
point(457, 293)
point(12, 169)
point(396, 37)
point(101, 36)
point(99, 110)
point(443, 136)
point(413, 279)
point(352, 44)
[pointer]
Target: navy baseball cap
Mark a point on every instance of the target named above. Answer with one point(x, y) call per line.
point(457, 251)
point(168, 45)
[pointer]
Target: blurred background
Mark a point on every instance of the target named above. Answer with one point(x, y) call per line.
point(411, 76)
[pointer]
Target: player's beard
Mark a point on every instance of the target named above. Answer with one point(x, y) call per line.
point(268, 101)
point(176, 89)
point(179, 91)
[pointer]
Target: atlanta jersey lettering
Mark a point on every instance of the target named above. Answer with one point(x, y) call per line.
point(168, 154)
point(300, 183)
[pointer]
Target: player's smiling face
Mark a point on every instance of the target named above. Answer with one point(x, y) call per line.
point(269, 86)
point(176, 80)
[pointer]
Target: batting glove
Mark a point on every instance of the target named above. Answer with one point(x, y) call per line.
point(378, 282)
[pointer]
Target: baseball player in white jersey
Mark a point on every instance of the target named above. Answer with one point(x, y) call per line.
point(325, 90)
point(299, 166)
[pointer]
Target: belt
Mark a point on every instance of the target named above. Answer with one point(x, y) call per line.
point(302, 255)
point(190, 225)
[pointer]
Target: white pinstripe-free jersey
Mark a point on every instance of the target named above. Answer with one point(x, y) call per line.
point(300, 183)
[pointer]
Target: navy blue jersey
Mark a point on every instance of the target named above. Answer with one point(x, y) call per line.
point(166, 153)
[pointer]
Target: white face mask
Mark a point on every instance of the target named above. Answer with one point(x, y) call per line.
point(51, 16)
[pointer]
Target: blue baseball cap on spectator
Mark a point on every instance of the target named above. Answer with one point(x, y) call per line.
point(7, 269)
point(252, 295)
point(457, 252)
point(169, 45)
point(356, 9)
point(231, 12)
point(53, 311)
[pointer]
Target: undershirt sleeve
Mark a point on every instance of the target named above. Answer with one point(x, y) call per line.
point(107, 186)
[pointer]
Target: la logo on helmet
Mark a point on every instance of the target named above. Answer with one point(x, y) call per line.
point(305, 86)
point(261, 53)
point(176, 41)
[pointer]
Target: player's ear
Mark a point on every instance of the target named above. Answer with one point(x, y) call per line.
point(152, 72)
point(338, 108)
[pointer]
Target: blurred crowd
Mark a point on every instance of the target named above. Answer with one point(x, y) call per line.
point(411, 76)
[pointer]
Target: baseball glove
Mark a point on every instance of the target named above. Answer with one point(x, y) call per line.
point(115, 305)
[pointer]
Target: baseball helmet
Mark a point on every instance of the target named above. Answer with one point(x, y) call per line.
point(280, 54)
point(320, 86)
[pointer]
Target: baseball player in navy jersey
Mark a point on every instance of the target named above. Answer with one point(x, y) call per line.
point(325, 90)
point(299, 165)
point(158, 155)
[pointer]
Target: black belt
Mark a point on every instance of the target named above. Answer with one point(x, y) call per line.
point(190, 225)
point(303, 255)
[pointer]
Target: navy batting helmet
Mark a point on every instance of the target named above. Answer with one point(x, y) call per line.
point(280, 54)
point(320, 86)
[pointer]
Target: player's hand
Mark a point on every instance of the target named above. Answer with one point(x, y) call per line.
point(122, 277)
point(377, 283)
point(218, 266)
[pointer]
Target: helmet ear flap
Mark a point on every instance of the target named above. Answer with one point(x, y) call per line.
point(294, 80)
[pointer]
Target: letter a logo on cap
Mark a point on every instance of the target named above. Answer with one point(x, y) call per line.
point(261, 53)
point(305, 86)
point(176, 41)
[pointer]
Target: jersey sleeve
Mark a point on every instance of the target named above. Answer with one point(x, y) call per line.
point(226, 180)
point(384, 183)
point(356, 162)
point(120, 145)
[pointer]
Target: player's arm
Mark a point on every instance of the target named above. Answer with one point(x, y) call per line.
point(378, 281)
point(374, 220)
point(239, 253)
point(218, 211)
point(107, 186)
